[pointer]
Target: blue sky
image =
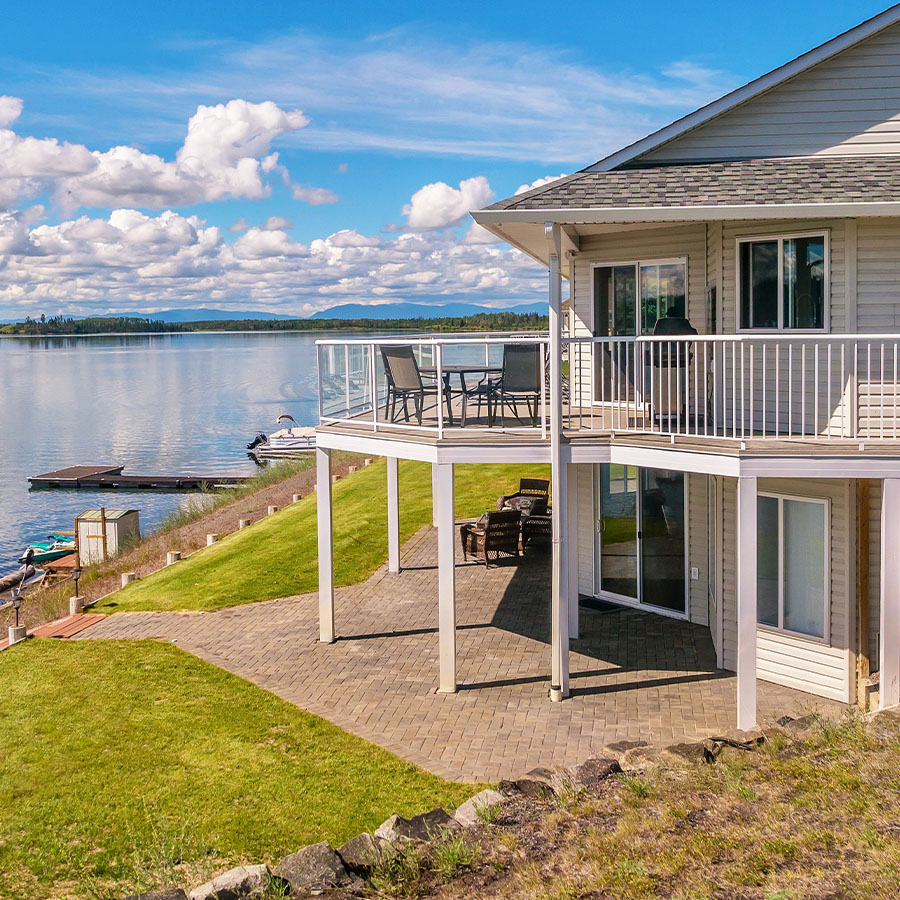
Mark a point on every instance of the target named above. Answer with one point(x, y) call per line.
point(393, 97)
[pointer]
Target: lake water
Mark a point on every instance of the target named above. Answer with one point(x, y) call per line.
point(157, 404)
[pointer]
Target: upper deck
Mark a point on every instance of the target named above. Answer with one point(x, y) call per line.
point(833, 397)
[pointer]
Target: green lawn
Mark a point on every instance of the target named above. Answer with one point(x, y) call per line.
point(121, 758)
point(277, 557)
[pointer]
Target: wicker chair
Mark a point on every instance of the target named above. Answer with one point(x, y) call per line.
point(494, 535)
point(537, 488)
point(537, 531)
point(404, 383)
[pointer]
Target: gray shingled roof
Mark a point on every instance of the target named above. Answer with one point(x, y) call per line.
point(866, 179)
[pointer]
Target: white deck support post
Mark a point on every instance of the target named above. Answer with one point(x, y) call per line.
point(393, 515)
point(572, 551)
point(746, 602)
point(559, 593)
point(446, 527)
point(889, 658)
point(434, 495)
point(326, 549)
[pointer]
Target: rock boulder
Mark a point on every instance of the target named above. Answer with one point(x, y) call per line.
point(361, 853)
point(468, 813)
point(316, 866)
point(592, 771)
point(235, 884)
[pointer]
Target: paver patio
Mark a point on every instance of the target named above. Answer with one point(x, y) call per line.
point(635, 675)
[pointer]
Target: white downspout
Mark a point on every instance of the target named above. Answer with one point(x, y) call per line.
point(559, 595)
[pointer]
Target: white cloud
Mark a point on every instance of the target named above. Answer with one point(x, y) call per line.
point(314, 196)
point(260, 244)
point(277, 223)
point(539, 182)
point(239, 226)
point(225, 154)
point(440, 206)
point(10, 109)
point(479, 235)
point(131, 261)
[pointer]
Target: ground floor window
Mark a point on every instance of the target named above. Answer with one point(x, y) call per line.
point(792, 562)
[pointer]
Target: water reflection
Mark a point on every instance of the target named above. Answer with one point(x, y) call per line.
point(160, 403)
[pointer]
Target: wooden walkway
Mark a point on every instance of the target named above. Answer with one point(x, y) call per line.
point(112, 477)
point(62, 628)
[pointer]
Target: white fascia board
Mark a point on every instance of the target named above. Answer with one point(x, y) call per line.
point(750, 90)
point(490, 218)
point(375, 445)
point(383, 444)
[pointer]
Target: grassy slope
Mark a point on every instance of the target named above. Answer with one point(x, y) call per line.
point(277, 557)
point(102, 787)
point(814, 818)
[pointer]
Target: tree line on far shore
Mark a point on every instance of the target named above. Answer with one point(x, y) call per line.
point(64, 325)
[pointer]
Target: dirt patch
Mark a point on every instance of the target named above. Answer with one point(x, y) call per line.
point(45, 605)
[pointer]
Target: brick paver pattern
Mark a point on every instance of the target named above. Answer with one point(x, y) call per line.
point(635, 675)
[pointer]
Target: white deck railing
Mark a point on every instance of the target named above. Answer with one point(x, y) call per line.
point(779, 387)
point(354, 387)
point(739, 387)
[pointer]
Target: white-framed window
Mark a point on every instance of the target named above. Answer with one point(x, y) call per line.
point(793, 564)
point(783, 282)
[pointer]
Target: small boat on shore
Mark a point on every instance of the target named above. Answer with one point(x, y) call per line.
point(56, 546)
point(285, 443)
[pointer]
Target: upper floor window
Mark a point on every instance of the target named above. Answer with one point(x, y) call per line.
point(783, 282)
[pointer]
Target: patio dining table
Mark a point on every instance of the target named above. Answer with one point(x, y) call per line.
point(461, 370)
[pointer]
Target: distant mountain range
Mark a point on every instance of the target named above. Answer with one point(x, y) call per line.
point(344, 311)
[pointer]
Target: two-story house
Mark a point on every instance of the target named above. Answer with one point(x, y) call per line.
point(721, 410)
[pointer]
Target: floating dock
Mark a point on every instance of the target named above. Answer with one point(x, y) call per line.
point(112, 477)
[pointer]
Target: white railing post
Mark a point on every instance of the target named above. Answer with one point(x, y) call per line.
point(439, 363)
point(319, 373)
point(373, 387)
point(544, 391)
point(347, 378)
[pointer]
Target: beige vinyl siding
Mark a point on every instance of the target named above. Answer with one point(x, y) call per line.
point(878, 275)
point(586, 529)
point(848, 105)
point(791, 660)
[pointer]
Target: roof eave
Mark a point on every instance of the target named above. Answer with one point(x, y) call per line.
point(492, 218)
point(750, 90)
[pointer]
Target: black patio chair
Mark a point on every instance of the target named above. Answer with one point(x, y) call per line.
point(404, 383)
point(521, 379)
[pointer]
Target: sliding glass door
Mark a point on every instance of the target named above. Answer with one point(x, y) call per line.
point(618, 531)
point(641, 536)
